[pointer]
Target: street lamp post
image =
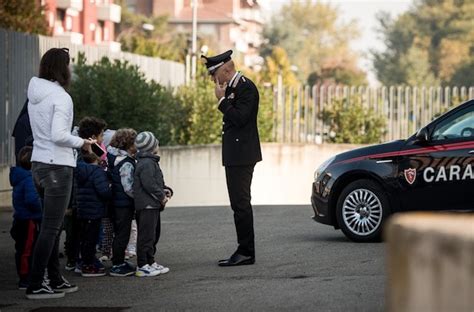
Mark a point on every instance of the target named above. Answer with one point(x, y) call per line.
point(194, 42)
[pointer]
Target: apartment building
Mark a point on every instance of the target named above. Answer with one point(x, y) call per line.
point(226, 24)
point(89, 22)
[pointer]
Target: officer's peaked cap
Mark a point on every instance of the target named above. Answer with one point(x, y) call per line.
point(214, 62)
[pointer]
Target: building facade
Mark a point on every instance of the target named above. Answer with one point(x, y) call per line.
point(225, 24)
point(89, 22)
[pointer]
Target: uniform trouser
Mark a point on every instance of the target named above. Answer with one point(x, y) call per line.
point(25, 233)
point(72, 227)
point(122, 219)
point(90, 230)
point(149, 229)
point(239, 179)
point(54, 184)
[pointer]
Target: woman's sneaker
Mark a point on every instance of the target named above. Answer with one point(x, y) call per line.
point(43, 292)
point(147, 271)
point(64, 286)
point(124, 269)
point(92, 270)
point(159, 267)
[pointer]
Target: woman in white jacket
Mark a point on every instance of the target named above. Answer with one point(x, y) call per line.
point(51, 115)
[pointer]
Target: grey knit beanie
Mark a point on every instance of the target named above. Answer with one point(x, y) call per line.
point(146, 142)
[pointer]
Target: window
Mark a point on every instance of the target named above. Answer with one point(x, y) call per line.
point(458, 126)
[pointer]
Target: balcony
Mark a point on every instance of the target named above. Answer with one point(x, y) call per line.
point(71, 37)
point(69, 4)
point(109, 12)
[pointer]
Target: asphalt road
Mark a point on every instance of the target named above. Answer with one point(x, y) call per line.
point(301, 266)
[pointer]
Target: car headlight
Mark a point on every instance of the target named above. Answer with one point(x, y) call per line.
point(323, 167)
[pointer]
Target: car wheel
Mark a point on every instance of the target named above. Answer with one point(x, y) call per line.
point(362, 209)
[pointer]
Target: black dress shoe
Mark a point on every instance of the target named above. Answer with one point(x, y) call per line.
point(237, 259)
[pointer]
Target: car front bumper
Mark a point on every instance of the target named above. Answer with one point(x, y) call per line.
point(320, 206)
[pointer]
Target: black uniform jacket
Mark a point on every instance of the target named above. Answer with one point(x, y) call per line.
point(240, 141)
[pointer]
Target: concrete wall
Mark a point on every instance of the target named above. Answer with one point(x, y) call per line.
point(283, 177)
point(5, 188)
point(196, 174)
point(430, 262)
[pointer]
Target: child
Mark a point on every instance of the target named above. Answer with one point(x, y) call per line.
point(26, 216)
point(89, 127)
point(92, 194)
point(121, 169)
point(150, 195)
point(107, 226)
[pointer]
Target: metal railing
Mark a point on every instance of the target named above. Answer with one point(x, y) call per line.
point(298, 111)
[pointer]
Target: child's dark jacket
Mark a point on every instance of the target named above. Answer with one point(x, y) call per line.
point(92, 191)
point(26, 201)
point(148, 184)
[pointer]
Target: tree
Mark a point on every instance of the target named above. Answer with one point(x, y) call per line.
point(350, 122)
point(23, 16)
point(277, 63)
point(314, 39)
point(204, 117)
point(156, 41)
point(120, 94)
point(429, 44)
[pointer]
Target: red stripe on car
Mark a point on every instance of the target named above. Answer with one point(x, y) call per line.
point(423, 150)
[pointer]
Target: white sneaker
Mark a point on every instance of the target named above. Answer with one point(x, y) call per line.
point(104, 258)
point(147, 271)
point(159, 267)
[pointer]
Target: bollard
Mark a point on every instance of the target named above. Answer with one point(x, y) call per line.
point(430, 262)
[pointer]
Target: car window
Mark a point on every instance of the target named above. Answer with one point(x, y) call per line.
point(458, 126)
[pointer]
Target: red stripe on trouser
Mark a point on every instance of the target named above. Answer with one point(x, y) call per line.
point(25, 256)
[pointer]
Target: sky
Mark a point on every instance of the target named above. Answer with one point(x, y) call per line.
point(364, 12)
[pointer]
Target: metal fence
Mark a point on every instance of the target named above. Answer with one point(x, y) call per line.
point(19, 60)
point(298, 111)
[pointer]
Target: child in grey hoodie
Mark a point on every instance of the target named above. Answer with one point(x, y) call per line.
point(150, 195)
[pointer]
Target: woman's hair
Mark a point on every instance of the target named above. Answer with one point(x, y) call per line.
point(123, 138)
point(54, 66)
point(89, 126)
point(24, 157)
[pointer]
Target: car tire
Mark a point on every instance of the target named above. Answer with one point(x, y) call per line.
point(361, 210)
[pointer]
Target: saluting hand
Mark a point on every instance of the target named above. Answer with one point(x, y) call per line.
point(220, 90)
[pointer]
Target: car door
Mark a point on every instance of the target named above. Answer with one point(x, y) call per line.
point(437, 174)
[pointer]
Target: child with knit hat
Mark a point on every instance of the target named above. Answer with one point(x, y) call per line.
point(150, 195)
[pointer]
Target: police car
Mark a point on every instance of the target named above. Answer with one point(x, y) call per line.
point(432, 170)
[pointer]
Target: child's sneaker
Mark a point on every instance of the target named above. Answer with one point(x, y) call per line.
point(124, 269)
point(78, 268)
point(43, 292)
point(147, 271)
point(22, 285)
point(70, 266)
point(64, 286)
point(104, 258)
point(130, 254)
point(159, 267)
point(92, 270)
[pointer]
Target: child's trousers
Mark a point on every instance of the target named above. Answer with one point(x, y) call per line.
point(149, 228)
point(24, 232)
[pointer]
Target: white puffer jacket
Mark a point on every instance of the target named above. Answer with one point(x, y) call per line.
point(51, 116)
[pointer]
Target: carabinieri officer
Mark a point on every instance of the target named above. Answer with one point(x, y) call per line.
point(238, 101)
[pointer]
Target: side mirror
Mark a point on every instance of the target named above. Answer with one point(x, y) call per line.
point(422, 136)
